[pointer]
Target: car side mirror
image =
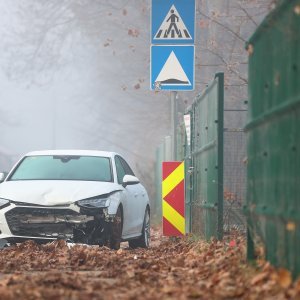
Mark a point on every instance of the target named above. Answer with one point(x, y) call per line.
point(130, 180)
point(3, 176)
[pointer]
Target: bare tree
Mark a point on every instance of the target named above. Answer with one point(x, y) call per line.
point(116, 34)
point(224, 28)
point(120, 111)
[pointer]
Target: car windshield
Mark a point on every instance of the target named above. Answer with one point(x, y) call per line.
point(64, 167)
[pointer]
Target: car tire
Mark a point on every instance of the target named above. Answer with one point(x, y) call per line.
point(115, 233)
point(144, 240)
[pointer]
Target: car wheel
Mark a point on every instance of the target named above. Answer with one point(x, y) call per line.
point(115, 233)
point(144, 240)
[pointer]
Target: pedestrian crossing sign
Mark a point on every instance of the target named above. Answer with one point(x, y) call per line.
point(172, 67)
point(173, 21)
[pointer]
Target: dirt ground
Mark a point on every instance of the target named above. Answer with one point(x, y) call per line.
point(182, 269)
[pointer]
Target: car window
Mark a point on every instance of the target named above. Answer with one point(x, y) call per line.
point(126, 167)
point(120, 170)
point(66, 167)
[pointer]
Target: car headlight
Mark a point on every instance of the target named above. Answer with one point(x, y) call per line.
point(3, 203)
point(94, 203)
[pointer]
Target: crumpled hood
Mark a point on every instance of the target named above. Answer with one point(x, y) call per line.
point(54, 192)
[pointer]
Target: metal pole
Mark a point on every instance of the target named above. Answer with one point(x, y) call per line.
point(174, 121)
point(220, 77)
point(250, 242)
point(54, 119)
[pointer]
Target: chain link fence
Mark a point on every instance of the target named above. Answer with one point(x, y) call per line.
point(234, 184)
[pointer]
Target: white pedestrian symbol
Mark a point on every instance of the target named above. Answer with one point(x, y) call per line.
point(173, 27)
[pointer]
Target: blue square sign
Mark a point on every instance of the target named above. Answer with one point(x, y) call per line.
point(172, 67)
point(173, 22)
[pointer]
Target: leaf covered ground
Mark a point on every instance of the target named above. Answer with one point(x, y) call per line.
point(181, 269)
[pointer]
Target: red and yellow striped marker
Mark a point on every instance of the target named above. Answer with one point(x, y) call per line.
point(173, 198)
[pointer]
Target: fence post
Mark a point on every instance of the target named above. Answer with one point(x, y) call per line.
point(220, 77)
point(250, 243)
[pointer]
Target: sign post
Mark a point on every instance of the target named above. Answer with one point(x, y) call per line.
point(173, 69)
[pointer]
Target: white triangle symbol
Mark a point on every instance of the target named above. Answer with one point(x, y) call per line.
point(172, 73)
point(173, 27)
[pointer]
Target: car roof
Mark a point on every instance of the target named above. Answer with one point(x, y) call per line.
point(72, 152)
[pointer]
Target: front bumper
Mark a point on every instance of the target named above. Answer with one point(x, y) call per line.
point(22, 222)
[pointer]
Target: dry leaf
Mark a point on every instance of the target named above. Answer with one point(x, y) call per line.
point(297, 9)
point(130, 273)
point(284, 278)
point(290, 226)
point(232, 243)
point(250, 49)
point(203, 23)
point(120, 251)
point(133, 32)
point(259, 278)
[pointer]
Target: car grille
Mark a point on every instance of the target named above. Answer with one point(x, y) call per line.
point(36, 205)
point(15, 219)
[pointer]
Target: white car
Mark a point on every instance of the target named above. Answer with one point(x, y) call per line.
point(81, 196)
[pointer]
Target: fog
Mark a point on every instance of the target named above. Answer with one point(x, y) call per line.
point(75, 74)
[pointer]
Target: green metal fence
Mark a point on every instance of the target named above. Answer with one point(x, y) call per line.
point(214, 205)
point(206, 159)
point(273, 197)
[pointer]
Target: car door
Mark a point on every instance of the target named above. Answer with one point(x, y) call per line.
point(127, 200)
point(138, 202)
point(132, 204)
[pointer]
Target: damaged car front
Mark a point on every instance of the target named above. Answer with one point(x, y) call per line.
point(57, 196)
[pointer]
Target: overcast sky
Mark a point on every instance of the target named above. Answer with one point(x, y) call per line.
point(97, 96)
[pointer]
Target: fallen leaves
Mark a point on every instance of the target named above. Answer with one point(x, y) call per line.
point(137, 86)
point(250, 49)
point(168, 270)
point(297, 9)
point(291, 226)
point(259, 278)
point(284, 278)
point(133, 32)
point(107, 43)
point(204, 24)
point(120, 251)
